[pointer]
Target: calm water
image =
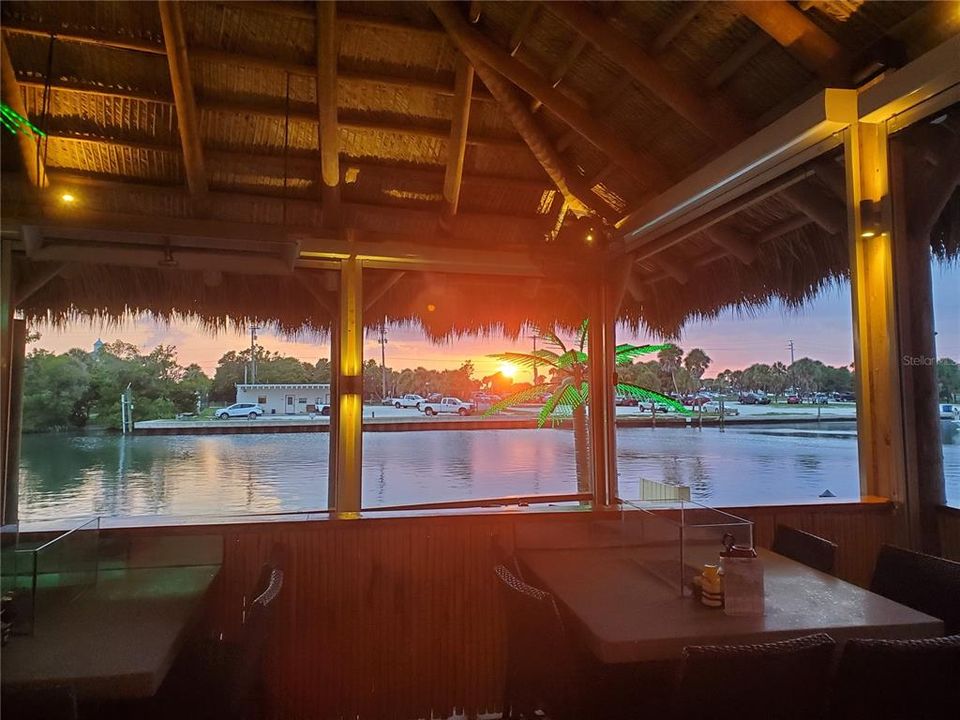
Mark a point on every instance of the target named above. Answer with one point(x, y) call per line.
point(65, 476)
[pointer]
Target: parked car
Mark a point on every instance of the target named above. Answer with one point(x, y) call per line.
point(409, 400)
point(626, 401)
point(695, 400)
point(821, 399)
point(249, 410)
point(447, 406)
point(793, 400)
point(659, 407)
point(713, 407)
point(751, 398)
point(844, 397)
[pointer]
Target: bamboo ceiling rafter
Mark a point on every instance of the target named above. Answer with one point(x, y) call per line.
point(480, 49)
point(676, 26)
point(175, 39)
point(28, 146)
point(801, 37)
point(457, 146)
point(740, 57)
point(713, 116)
point(523, 25)
point(329, 137)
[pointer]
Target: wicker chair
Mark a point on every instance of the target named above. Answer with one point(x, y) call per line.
point(542, 671)
point(505, 557)
point(806, 548)
point(784, 680)
point(898, 680)
point(923, 582)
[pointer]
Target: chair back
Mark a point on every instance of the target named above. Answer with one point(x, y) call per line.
point(898, 679)
point(245, 682)
point(503, 556)
point(923, 582)
point(541, 669)
point(811, 550)
point(787, 680)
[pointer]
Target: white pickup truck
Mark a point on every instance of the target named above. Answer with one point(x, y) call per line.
point(447, 405)
point(408, 401)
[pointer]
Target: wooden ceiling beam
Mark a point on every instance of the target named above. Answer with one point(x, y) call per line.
point(801, 37)
point(26, 144)
point(329, 136)
point(457, 146)
point(560, 70)
point(598, 108)
point(523, 25)
point(741, 56)
point(676, 26)
point(733, 243)
point(188, 125)
point(29, 284)
point(719, 214)
point(534, 136)
point(304, 164)
point(713, 116)
point(481, 50)
point(828, 212)
point(234, 59)
point(672, 269)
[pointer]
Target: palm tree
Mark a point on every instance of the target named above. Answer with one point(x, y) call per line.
point(567, 390)
point(670, 357)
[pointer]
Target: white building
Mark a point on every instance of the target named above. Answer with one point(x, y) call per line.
point(285, 398)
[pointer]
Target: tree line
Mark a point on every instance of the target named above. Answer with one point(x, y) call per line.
point(79, 388)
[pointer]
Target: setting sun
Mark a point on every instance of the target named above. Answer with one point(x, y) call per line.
point(508, 369)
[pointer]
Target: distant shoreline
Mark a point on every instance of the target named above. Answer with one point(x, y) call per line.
point(266, 426)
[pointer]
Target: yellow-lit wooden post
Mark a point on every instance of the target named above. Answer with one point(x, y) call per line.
point(876, 347)
point(349, 436)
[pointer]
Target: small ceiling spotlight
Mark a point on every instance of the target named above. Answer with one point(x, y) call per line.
point(869, 219)
point(168, 259)
point(68, 198)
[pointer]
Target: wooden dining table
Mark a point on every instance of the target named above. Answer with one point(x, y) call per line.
point(626, 611)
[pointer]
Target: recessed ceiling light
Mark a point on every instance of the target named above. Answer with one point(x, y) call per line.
point(67, 198)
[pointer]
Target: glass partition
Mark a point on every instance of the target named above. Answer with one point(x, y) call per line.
point(47, 570)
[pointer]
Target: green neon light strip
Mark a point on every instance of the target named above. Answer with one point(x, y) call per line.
point(15, 122)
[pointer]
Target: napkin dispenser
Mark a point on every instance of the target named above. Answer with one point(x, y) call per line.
point(742, 579)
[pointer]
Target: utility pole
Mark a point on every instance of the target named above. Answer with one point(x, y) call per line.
point(790, 346)
point(383, 359)
point(534, 338)
point(253, 354)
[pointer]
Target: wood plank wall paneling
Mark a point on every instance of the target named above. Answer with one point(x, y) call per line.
point(950, 532)
point(398, 618)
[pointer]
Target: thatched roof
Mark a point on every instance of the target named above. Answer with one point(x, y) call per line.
point(97, 78)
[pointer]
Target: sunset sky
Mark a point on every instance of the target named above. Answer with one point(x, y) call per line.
point(821, 330)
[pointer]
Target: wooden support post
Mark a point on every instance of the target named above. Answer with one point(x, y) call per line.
point(27, 144)
point(188, 123)
point(350, 388)
point(6, 354)
point(14, 427)
point(327, 110)
point(456, 148)
point(876, 347)
point(914, 213)
point(605, 298)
